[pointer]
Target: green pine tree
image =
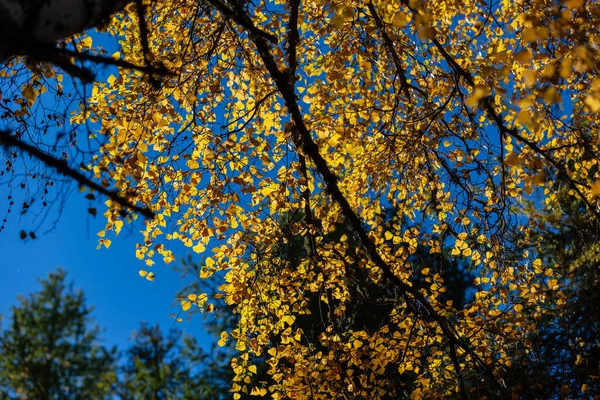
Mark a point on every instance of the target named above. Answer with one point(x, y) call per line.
point(51, 348)
point(161, 367)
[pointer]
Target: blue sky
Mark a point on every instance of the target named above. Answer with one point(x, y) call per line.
point(108, 277)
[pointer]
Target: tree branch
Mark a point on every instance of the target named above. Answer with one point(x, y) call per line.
point(389, 45)
point(61, 166)
point(505, 130)
point(310, 148)
point(239, 17)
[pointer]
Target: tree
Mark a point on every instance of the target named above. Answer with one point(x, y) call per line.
point(567, 350)
point(452, 116)
point(368, 309)
point(52, 350)
point(159, 367)
point(39, 40)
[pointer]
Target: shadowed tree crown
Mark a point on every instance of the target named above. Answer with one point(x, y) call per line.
point(51, 348)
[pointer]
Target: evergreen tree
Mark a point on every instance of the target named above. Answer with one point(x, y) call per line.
point(51, 348)
point(160, 367)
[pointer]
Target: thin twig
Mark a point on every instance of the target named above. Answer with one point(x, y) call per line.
point(390, 47)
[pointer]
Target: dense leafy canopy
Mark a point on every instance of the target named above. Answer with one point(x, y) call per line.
point(461, 117)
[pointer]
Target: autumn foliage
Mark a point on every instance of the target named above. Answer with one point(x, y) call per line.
point(460, 117)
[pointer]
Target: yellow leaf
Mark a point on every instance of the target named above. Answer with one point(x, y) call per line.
point(199, 248)
point(428, 32)
point(552, 96)
point(592, 102)
point(528, 35)
point(540, 178)
point(150, 277)
point(579, 360)
point(596, 188)
point(143, 273)
point(29, 93)
point(518, 308)
point(118, 226)
point(523, 56)
point(87, 42)
point(357, 344)
point(401, 19)
point(254, 392)
point(337, 21)
point(553, 284)
point(549, 71)
point(192, 297)
point(574, 4)
point(524, 116)
point(223, 340)
point(479, 93)
point(530, 77)
point(584, 388)
point(193, 164)
point(537, 266)
point(252, 369)
point(512, 159)
point(333, 140)
point(566, 68)
point(240, 345)
point(186, 305)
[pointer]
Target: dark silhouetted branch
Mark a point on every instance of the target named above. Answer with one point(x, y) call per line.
point(61, 166)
